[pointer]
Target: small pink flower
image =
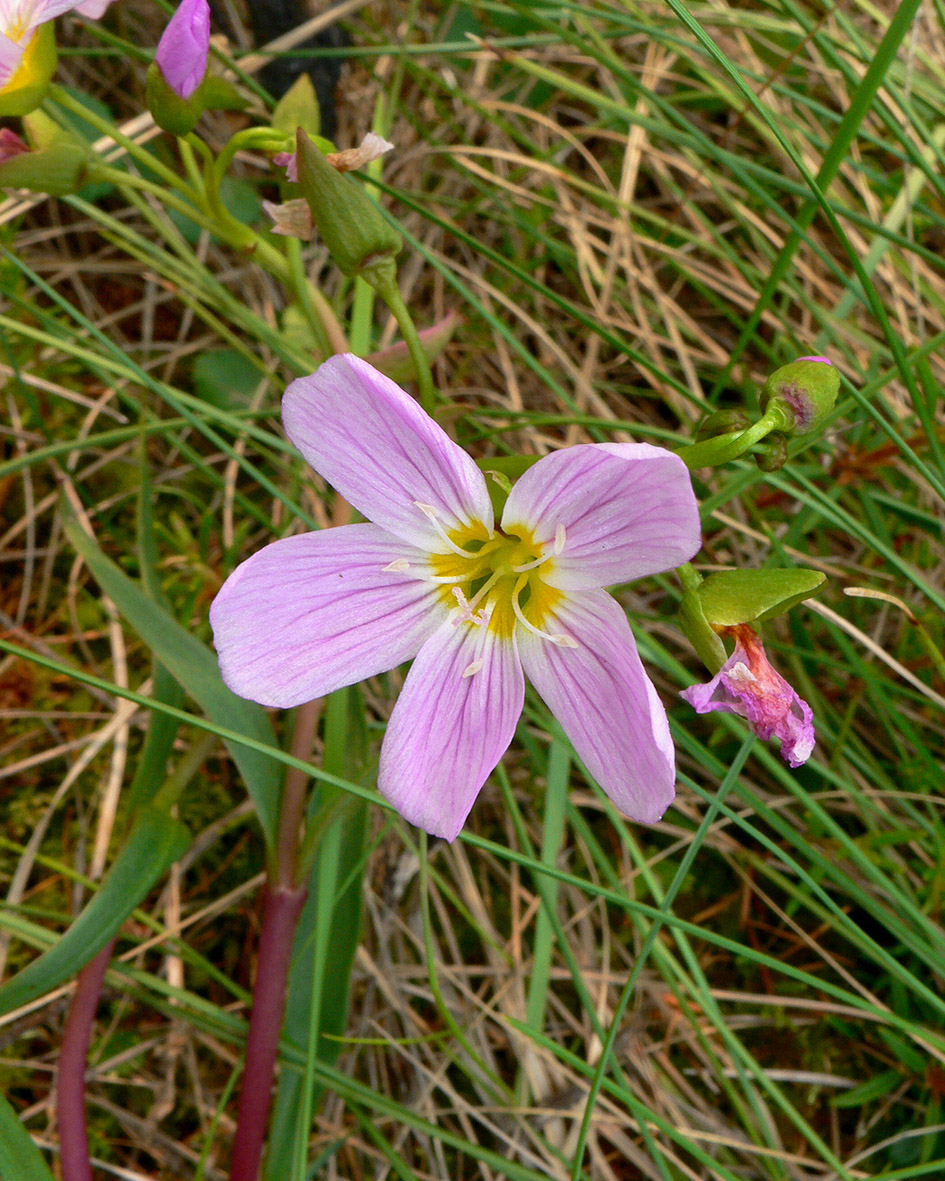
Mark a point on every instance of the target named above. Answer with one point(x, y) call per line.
point(431, 577)
point(747, 685)
point(372, 147)
point(183, 49)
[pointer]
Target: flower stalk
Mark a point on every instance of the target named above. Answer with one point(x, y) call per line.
point(282, 906)
point(70, 1078)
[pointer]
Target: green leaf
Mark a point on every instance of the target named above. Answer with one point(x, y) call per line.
point(156, 842)
point(748, 596)
point(20, 1159)
point(226, 378)
point(869, 1091)
point(195, 667)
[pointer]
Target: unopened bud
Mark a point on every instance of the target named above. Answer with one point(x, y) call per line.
point(357, 234)
point(804, 393)
point(56, 162)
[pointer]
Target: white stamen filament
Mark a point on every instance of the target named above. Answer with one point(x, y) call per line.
point(471, 669)
point(432, 515)
point(558, 638)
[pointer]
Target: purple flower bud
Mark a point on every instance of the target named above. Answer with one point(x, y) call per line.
point(182, 51)
point(747, 685)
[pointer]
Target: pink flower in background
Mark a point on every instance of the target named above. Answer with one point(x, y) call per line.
point(747, 685)
point(93, 9)
point(478, 605)
point(19, 20)
point(183, 49)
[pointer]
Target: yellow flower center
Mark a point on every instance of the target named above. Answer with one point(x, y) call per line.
point(495, 580)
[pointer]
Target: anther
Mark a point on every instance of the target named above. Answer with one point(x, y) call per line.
point(398, 566)
point(560, 538)
point(471, 669)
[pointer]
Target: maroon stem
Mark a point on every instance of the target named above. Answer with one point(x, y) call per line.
point(70, 1083)
point(281, 909)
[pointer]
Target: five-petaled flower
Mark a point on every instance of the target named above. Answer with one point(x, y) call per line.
point(747, 685)
point(431, 576)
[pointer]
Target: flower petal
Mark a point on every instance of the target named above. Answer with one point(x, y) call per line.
point(311, 613)
point(374, 444)
point(451, 725)
point(183, 50)
point(748, 685)
point(605, 702)
point(627, 510)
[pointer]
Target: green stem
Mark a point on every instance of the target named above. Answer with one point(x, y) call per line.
point(384, 282)
point(725, 448)
point(148, 159)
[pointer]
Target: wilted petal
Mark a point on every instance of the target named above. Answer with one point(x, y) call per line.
point(453, 721)
point(290, 162)
point(372, 147)
point(183, 49)
point(374, 445)
point(11, 145)
point(748, 685)
point(309, 614)
point(627, 511)
point(605, 702)
point(293, 219)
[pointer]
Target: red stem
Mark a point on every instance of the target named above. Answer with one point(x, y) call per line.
point(70, 1083)
point(282, 907)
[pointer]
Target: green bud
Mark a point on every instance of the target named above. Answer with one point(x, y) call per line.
point(723, 422)
point(355, 231)
point(59, 162)
point(804, 392)
point(25, 90)
point(171, 112)
point(772, 454)
point(297, 108)
point(732, 597)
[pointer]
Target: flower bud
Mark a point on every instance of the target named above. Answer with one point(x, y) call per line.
point(182, 51)
point(56, 162)
point(357, 234)
point(804, 392)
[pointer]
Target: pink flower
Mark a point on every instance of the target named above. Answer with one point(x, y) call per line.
point(19, 20)
point(431, 576)
point(183, 49)
point(747, 685)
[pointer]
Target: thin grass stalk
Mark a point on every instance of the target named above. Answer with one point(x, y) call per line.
point(70, 1088)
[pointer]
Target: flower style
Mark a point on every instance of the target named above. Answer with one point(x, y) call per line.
point(431, 576)
point(182, 52)
point(747, 685)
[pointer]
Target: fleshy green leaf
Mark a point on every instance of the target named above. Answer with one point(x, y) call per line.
point(156, 842)
point(195, 667)
point(751, 596)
